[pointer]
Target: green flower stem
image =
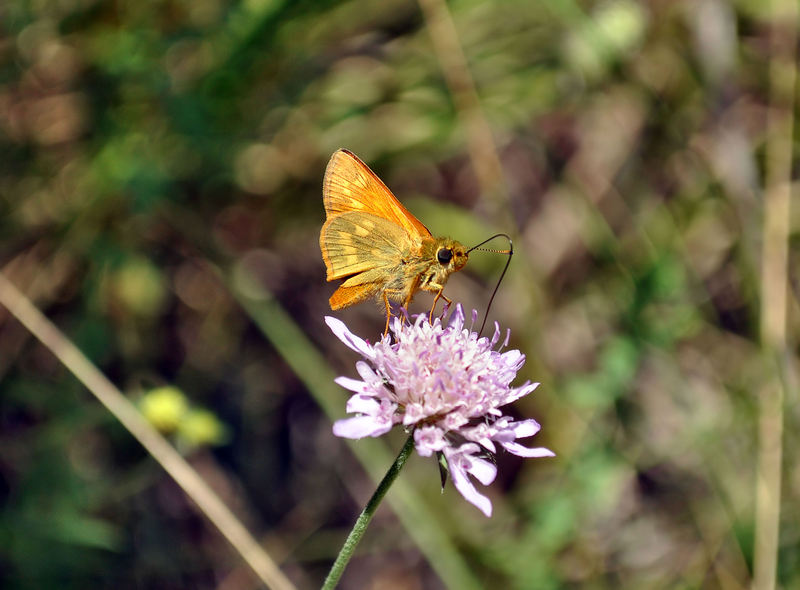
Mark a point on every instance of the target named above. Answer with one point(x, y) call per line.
point(366, 515)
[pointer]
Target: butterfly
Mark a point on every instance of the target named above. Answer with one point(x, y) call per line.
point(375, 244)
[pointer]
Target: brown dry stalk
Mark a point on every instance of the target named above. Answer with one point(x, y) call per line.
point(162, 451)
point(774, 287)
point(480, 141)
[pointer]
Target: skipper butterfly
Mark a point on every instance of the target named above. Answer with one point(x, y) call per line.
point(375, 244)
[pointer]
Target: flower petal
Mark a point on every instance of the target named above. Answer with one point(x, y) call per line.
point(352, 384)
point(361, 426)
point(468, 491)
point(519, 392)
point(482, 470)
point(523, 451)
point(363, 404)
point(428, 440)
point(458, 473)
point(366, 372)
point(352, 341)
point(525, 428)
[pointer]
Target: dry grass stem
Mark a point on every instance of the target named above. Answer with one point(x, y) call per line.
point(162, 451)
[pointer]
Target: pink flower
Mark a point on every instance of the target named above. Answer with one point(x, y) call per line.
point(447, 384)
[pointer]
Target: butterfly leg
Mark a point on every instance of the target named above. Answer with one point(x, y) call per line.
point(388, 312)
point(385, 294)
point(439, 294)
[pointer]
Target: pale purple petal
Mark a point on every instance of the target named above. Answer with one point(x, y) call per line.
point(361, 426)
point(488, 444)
point(429, 440)
point(454, 421)
point(464, 456)
point(525, 428)
point(366, 373)
point(480, 434)
point(352, 341)
point(362, 404)
point(471, 495)
point(496, 336)
point(413, 414)
point(352, 384)
point(458, 472)
point(523, 451)
point(482, 470)
point(513, 357)
point(519, 392)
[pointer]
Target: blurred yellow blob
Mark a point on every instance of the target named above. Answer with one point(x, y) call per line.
point(201, 427)
point(140, 286)
point(165, 407)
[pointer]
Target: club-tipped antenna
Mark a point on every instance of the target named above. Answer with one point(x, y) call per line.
point(510, 253)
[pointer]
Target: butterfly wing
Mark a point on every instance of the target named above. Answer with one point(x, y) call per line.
point(366, 248)
point(350, 185)
point(354, 243)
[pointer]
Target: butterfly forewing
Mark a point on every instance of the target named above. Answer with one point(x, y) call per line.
point(350, 185)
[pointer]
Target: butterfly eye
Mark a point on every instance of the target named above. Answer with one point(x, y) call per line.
point(444, 255)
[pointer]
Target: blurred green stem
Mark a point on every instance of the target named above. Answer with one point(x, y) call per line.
point(774, 288)
point(162, 451)
point(360, 526)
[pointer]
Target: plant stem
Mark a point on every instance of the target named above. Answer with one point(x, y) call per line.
point(159, 448)
point(775, 289)
point(480, 140)
point(366, 515)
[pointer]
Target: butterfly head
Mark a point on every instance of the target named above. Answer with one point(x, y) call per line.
point(446, 256)
point(451, 255)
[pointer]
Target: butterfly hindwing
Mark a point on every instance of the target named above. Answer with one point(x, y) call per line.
point(353, 243)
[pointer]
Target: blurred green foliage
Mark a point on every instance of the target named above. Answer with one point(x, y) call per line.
point(150, 148)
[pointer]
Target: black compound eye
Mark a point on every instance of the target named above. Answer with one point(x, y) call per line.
point(444, 255)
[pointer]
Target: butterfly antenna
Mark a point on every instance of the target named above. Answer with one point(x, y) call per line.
point(510, 253)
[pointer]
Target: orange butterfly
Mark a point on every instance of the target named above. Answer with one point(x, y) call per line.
point(375, 244)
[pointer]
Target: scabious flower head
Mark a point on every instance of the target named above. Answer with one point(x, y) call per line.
point(446, 383)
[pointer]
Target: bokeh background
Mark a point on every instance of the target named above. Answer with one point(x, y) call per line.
point(160, 200)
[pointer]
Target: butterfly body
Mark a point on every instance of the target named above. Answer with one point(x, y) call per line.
point(375, 244)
